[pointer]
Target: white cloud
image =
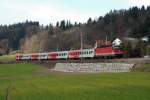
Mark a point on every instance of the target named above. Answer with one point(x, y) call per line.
point(42, 12)
point(53, 14)
point(139, 3)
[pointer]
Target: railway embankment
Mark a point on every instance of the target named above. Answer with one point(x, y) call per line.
point(93, 67)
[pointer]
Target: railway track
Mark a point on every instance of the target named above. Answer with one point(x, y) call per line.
point(117, 60)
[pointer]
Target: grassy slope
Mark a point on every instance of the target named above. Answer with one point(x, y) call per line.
point(25, 85)
point(142, 68)
point(16, 70)
point(8, 57)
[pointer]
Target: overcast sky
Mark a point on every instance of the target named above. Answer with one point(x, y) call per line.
point(46, 11)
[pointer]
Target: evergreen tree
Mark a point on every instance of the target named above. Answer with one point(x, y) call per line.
point(50, 29)
point(89, 22)
point(57, 24)
point(75, 24)
point(63, 25)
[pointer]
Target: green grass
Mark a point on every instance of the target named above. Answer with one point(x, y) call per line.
point(17, 70)
point(8, 57)
point(142, 68)
point(26, 84)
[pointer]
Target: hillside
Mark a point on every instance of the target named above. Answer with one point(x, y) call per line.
point(32, 37)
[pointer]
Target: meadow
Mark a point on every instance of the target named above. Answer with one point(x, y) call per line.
point(25, 82)
point(11, 57)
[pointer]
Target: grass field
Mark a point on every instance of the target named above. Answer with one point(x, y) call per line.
point(23, 82)
point(8, 57)
point(142, 68)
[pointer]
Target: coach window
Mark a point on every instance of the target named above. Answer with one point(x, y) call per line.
point(91, 52)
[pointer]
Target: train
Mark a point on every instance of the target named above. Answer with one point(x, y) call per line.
point(106, 51)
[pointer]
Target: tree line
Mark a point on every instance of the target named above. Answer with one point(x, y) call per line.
point(134, 22)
